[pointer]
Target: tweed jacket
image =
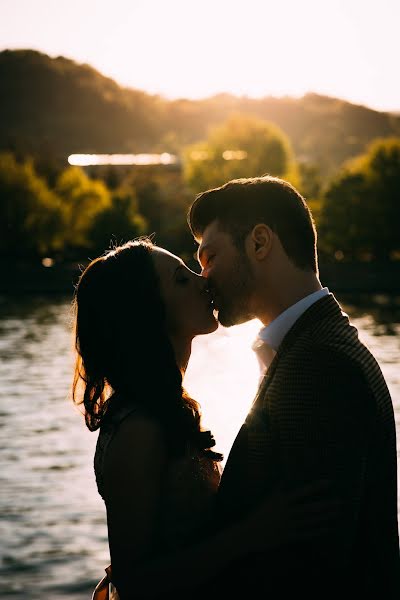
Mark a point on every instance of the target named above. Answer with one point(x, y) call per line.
point(323, 411)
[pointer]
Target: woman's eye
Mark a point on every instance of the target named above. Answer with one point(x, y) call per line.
point(182, 279)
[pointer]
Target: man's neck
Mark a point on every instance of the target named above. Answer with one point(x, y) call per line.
point(277, 300)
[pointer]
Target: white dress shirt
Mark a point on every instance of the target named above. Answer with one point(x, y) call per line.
point(269, 338)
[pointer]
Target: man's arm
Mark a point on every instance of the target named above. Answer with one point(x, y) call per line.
point(324, 414)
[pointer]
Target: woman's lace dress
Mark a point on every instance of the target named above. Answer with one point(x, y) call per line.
point(188, 493)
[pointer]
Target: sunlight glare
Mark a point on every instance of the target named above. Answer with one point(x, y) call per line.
point(234, 155)
point(85, 160)
point(225, 395)
point(194, 50)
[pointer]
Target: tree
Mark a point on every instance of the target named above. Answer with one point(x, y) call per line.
point(243, 146)
point(82, 200)
point(30, 213)
point(361, 207)
point(310, 185)
point(117, 223)
point(163, 201)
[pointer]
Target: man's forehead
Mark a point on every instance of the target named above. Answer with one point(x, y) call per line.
point(213, 240)
point(210, 234)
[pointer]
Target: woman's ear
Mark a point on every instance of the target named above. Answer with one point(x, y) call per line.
point(261, 238)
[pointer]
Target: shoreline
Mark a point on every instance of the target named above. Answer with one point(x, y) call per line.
point(352, 278)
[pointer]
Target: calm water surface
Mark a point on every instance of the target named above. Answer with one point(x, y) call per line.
point(53, 539)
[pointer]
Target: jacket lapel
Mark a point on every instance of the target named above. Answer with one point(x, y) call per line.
point(325, 308)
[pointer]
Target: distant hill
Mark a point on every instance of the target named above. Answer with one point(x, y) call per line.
point(54, 106)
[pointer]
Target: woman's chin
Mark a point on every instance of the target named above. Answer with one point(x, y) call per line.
point(210, 327)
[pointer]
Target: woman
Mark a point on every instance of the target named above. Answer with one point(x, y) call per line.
point(138, 308)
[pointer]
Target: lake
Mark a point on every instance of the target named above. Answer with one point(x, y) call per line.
point(53, 538)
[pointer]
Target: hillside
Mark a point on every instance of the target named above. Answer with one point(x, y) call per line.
point(54, 106)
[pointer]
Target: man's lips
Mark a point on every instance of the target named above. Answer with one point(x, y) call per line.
point(214, 302)
point(212, 299)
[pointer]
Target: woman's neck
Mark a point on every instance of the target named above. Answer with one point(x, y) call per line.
point(182, 349)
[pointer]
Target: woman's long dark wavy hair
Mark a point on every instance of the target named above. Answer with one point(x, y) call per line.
point(123, 351)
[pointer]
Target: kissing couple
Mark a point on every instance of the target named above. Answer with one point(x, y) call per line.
point(307, 501)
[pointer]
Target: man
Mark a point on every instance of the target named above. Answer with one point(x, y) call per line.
point(323, 409)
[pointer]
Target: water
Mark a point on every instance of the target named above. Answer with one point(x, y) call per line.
point(53, 538)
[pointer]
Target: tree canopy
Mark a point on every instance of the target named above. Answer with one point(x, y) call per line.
point(30, 213)
point(242, 146)
point(361, 208)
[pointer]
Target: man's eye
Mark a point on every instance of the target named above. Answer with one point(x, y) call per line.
point(210, 259)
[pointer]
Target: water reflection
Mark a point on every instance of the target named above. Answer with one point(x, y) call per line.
point(53, 541)
point(49, 506)
point(382, 312)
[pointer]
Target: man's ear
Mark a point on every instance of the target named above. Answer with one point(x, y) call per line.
point(260, 241)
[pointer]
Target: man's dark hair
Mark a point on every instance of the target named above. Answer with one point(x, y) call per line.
point(240, 204)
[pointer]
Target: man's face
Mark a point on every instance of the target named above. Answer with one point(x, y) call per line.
point(229, 276)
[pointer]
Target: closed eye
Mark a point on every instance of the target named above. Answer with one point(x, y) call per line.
point(209, 259)
point(205, 255)
point(182, 280)
point(181, 276)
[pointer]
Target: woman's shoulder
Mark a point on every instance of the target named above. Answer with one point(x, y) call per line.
point(123, 413)
point(136, 453)
point(127, 422)
point(139, 429)
point(127, 432)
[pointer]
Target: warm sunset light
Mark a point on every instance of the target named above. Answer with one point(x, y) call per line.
point(199, 298)
point(347, 49)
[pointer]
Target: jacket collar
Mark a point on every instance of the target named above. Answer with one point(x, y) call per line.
point(326, 308)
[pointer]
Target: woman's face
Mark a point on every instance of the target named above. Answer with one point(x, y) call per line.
point(188, 304)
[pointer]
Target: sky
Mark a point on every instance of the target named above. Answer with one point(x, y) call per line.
point(348, 49)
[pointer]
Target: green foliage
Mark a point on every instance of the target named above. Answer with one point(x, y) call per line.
point(163, 200)
point(82, 216)
point(361, 209)
point(55, 107)
point(242, 147)
point(310, 185)
point(31, 216)
point(82, 200)
point(117, 223)
point(310, 180)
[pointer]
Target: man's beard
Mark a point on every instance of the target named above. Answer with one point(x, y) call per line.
point(235, 305)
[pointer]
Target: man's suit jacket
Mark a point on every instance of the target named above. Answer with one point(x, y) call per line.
point(323, 411)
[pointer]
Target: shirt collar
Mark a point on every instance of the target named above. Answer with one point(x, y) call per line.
point(274, 333)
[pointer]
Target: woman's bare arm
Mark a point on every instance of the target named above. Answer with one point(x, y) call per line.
point(133, 469)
